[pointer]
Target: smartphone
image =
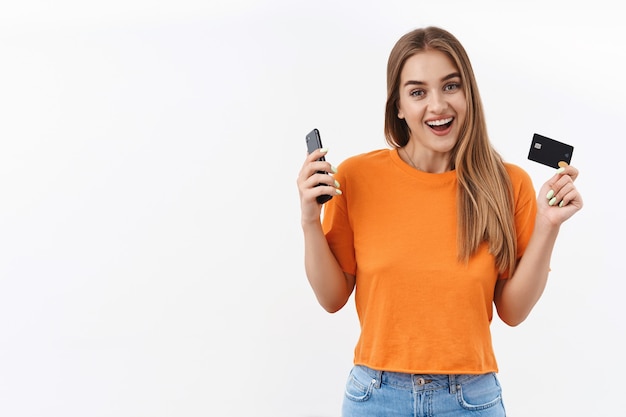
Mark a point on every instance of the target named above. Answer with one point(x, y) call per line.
point(549, 151)
point(313, 142)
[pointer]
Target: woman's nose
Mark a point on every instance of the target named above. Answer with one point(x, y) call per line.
point(437, 103)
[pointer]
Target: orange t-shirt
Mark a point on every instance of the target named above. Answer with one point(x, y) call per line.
point(395, 229)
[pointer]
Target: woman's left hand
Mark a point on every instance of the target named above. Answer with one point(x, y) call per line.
point(559, 198)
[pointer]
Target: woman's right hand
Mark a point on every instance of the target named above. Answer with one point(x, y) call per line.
point(307, 181)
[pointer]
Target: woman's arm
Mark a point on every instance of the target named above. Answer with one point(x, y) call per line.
point(331, 286)
point(558, 200)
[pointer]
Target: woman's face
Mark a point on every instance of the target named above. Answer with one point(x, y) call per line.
point(432, 102)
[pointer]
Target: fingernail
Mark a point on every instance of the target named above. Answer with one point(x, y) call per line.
point(338, 191)
point(560, 170)
point(337, 184)
point(562, 203)
point(562, 164)
point(552, 201)
point(550, 194)
point(333, 169)
point(323, 150)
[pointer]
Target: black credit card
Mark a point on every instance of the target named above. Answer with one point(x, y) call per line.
point(549, 151)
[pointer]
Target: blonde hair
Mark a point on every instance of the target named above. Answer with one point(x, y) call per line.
point(484, 195)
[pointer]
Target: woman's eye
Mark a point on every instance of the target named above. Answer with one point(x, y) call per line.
point(452, 87)
point(416, 93)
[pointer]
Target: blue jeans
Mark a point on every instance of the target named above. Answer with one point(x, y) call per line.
point(371, 393)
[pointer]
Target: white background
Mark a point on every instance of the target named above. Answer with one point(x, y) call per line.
point(150, 245)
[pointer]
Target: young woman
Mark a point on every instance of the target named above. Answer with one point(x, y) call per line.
point(431, 233)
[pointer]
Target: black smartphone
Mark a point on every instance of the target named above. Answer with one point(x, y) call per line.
point(313, 142)
point(549, 151)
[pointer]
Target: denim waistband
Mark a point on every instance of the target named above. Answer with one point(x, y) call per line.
point(416, 382)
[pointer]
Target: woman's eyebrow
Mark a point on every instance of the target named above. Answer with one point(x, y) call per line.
point(446, 78)
point(452, 75)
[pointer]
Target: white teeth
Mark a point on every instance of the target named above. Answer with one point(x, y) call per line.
point(439, 122)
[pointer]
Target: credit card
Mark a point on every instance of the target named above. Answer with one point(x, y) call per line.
point(549, 151)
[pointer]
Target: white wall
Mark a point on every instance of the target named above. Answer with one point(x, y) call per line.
point(150, 246)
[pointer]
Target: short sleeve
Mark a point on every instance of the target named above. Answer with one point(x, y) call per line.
point(337, 228)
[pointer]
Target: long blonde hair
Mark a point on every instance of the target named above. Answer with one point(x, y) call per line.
point(484, 195)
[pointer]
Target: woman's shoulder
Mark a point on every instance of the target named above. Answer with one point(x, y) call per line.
point(374, 157)
point(516, 173)
point(520, 180)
